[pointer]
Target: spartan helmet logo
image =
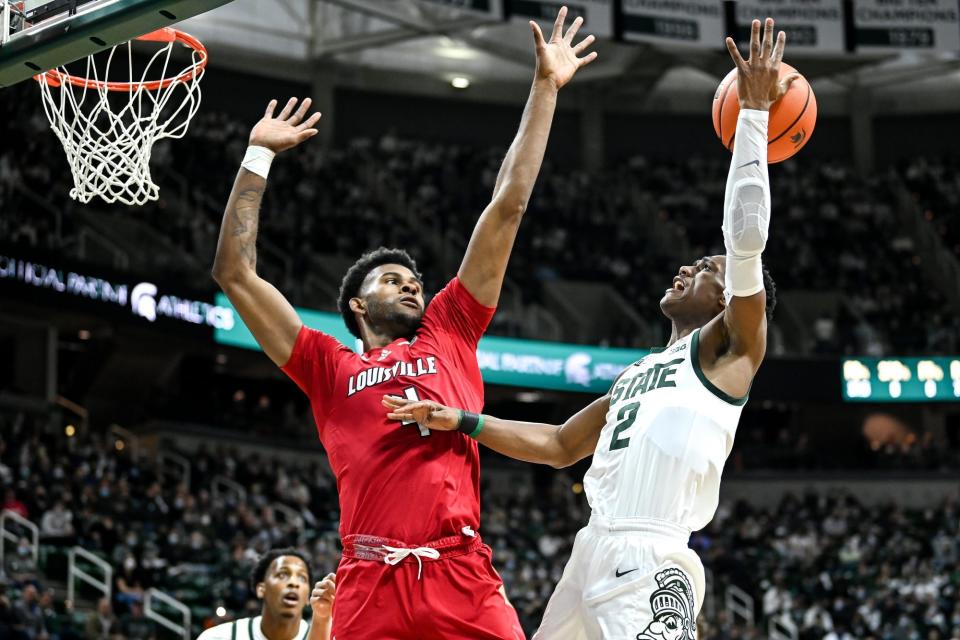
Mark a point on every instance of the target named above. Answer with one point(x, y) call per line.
point(673, 608)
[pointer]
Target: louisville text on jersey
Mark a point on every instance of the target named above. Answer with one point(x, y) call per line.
point(378, 375)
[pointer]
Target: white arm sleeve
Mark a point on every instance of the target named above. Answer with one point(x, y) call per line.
point(746, 206)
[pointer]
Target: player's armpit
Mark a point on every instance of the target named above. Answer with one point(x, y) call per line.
point(270, 317)
point(732, 345)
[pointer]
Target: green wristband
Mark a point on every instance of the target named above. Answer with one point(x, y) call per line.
point(470, 423)
point(479, 428)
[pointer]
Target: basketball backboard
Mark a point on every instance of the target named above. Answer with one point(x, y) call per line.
point(38, 35)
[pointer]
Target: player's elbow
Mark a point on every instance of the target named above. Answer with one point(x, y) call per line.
point(748, 243)
point(510, 206)
point(560, 456)
point(228, 273)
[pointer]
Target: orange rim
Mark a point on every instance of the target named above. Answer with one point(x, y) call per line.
point(56, 78)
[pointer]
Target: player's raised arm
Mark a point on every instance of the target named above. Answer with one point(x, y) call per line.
point(270, 318)
point(555, 445)
point(741, 334)
point(487, 255)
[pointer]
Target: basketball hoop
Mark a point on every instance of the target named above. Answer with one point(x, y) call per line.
point(108, 126)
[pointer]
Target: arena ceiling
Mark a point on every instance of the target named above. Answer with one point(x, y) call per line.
point(415, 45)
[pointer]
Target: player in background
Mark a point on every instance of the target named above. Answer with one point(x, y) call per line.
point(281, 580)
point(661, 435)
point(413, 563)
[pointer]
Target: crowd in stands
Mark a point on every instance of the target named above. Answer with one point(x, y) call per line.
point(935, 183)
point(631, 225)
point(837, 568)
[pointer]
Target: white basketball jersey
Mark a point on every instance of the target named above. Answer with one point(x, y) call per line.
point(669, 431)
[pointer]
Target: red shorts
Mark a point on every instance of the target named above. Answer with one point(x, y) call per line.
point(457, 596)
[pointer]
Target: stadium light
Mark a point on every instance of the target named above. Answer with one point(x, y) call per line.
point(459, 82)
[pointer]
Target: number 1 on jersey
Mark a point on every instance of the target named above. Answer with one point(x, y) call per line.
point(411, 394)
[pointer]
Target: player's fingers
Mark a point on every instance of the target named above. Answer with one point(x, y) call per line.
point(767, 46)
point(394, 401)
point(734, 52)
point(310, 122)
point(583, 44)
point(572, 31)
point(287, 109)
point(590, 57)
point(306, 134)
point(778, 48)
point(537, 35)
point(332, 577)
point(755, 40)
point(558, 24)
point(270, 107)
point(401, 415)
point(300, 112)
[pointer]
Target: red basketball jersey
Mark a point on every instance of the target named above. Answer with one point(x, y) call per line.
point(400, 481)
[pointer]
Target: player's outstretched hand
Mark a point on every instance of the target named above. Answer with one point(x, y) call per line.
point(557, 59)
point(427, 413)
point(758, 77)
point(286, 130)
point(321, 600)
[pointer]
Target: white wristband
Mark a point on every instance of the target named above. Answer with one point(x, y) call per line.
point(257, 160)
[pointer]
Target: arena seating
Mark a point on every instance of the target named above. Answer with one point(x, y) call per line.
point(823, 560)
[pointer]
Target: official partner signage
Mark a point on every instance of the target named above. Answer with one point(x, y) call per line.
point(142, 299)
point(901, 379)
point(507, 361)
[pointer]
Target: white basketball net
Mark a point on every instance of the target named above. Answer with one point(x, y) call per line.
point(108, 123)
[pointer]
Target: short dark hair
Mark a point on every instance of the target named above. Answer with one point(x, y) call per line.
point(356, 274)
point(771, 288)
point(259, 573)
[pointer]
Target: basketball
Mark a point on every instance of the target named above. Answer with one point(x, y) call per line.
point(792, 117)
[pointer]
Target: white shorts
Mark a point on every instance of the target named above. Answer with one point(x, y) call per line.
point(627, 579)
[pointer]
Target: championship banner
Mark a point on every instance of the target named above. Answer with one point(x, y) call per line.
point(894, 25)
point(507, 361)
point(698, 23)
point(901, 379)
point(812, 26)
point(493, 8)
point(597, 15)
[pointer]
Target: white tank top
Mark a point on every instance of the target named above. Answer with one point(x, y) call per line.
point(669, 431)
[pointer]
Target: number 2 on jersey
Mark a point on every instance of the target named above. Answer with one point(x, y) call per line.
point(411, 394)
point(626, 415)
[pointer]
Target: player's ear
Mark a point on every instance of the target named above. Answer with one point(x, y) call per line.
point(357, 305)
point(261, 590)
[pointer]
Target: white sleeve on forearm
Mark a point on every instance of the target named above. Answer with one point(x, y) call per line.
point(746, 206)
